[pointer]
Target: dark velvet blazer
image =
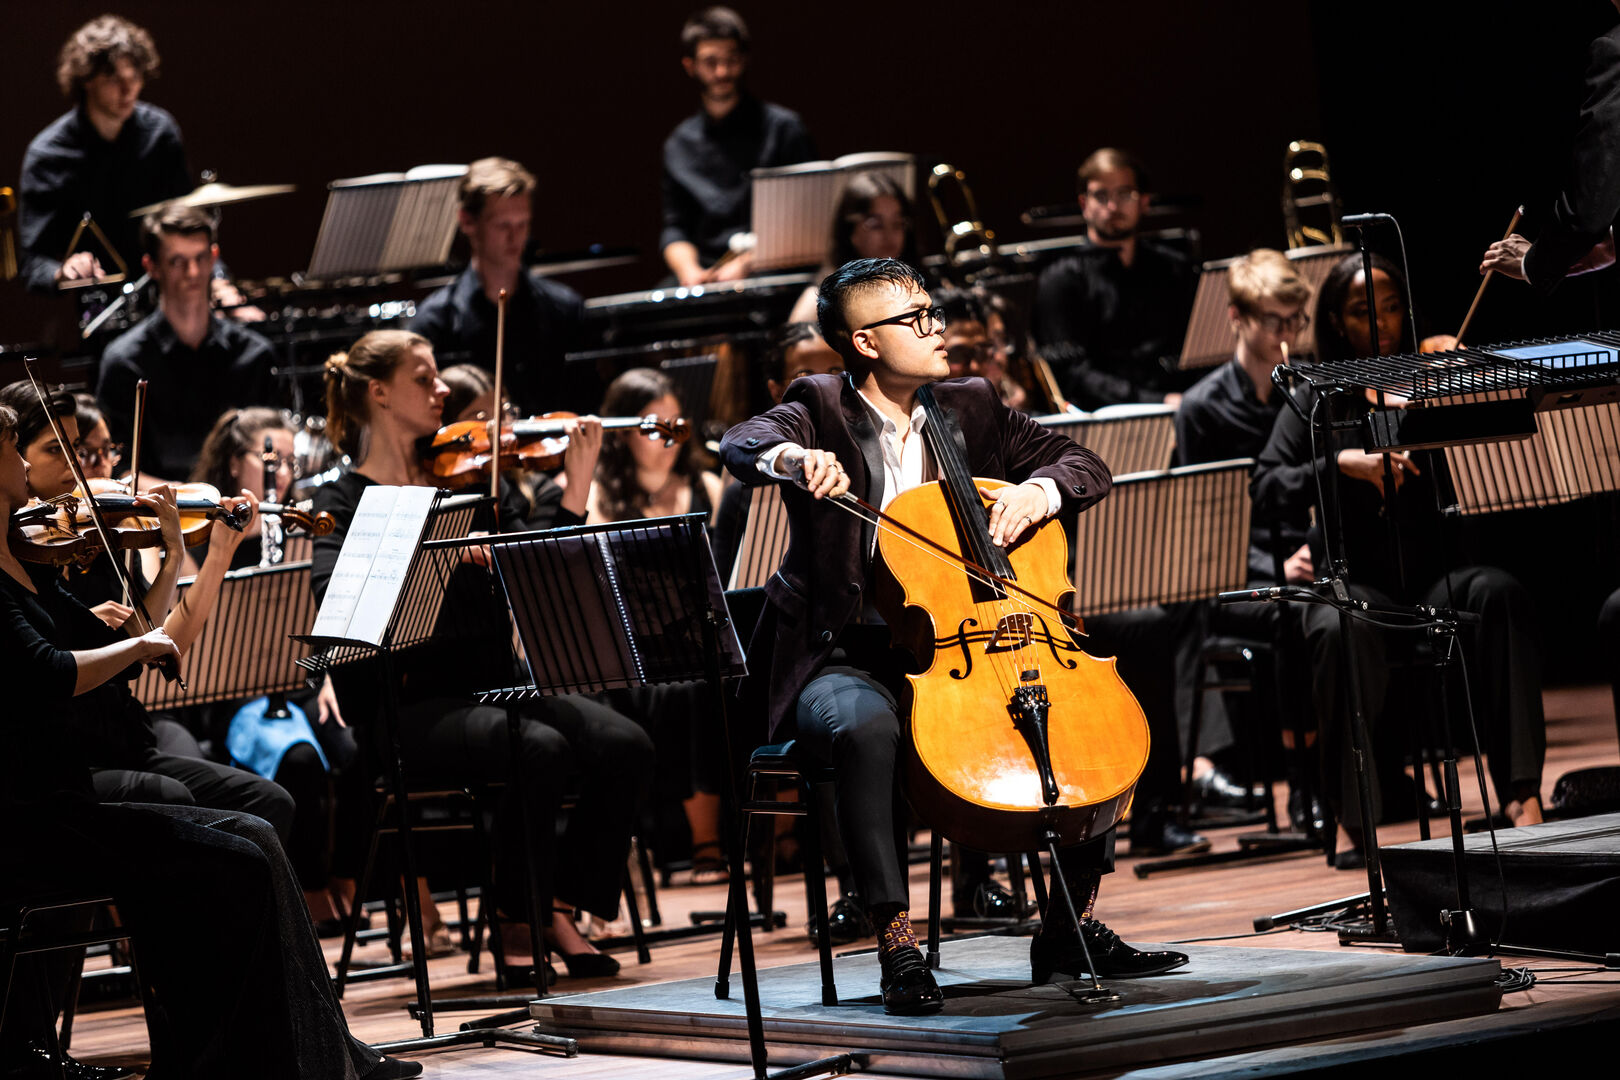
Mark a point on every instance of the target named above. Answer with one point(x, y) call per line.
point(826, 572)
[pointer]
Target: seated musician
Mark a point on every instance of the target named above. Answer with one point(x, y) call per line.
point(873, 220)
point(542, 316)
point(310, 753)
point(98, 454)
point(973, 349)
point(832, 678)
point(1106, 316)
point(267, 1012)
point(107, 156)
point(197, 364)
point(1229, 414)
point(135, 757)
point(382, 396)
point(1503, 657)
point(708, 157)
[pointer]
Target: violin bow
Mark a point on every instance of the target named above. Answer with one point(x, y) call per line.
point(497, 410)
point(168, 665)
point(135, 467)
point(864, 510)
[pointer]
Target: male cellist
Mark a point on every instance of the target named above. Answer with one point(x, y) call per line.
point(830, 678)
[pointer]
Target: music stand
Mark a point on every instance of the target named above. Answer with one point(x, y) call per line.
point(246, 648)
point(396, 586)
point(385, 222)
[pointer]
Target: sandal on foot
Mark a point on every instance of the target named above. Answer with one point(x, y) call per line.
point(709, 866)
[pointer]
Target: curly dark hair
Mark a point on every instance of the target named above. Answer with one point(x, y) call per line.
point(95, 49)
point(627, 395)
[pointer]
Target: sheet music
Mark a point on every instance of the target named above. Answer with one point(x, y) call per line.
point(371, 567)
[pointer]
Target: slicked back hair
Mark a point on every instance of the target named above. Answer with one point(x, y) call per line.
point(832, 300)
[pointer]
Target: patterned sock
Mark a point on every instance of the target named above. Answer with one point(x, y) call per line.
point(895, 931)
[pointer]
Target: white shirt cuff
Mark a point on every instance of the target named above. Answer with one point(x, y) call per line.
point(1054, 501)
point(766, 462)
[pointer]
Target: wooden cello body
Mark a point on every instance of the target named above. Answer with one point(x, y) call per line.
point(1014, 732)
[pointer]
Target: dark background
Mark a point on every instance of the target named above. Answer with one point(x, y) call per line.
point(1447, 114)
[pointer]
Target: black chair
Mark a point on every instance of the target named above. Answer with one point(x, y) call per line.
point(18, 939)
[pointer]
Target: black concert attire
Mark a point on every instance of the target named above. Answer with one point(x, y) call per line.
point(1221, 418)
point(819, 669)
point(192, 884)
point(135, 757)
point(1503, 656)
point(571, 745)
point(70, 170)
point(1609, 643)
point(1584, 211)
point(707, 192)
point(544, 321)
point(188, 388)
point(1105, 327)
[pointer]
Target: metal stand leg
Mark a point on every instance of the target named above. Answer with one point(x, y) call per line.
point(1096, 992)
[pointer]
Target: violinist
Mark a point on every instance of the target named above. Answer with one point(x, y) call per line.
point(642, 478)
point(98, 454)
point(1504, 661)
point(198, 364)
point(137, 758)
point(821, 661)
point(874, 219)
point(382, 398)
point(270, 1011)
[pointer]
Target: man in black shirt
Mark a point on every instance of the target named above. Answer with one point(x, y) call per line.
point(543, 317)
point(1105, 316)
point(708, 157)
point(197, 364)
point(110, 154)
point(1229, 414)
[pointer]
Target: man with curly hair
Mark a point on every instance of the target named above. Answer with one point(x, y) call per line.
point(109, 154)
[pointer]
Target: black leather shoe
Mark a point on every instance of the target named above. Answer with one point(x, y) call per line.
point(847, 920)
point(1055, 949)
point(391, 1068)
point(589, 965)
point(1156, 835)
point(991, 901)
point(1305, 814)
point(908, 986)
point(36, 1060)
point(1215, 788)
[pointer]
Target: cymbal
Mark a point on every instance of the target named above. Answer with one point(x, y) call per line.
point(218, 195)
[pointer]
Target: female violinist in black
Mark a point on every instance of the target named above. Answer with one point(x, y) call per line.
point(382, 396)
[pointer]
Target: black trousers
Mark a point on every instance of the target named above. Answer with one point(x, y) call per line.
point(1504, 669)
point(157, 777)
point(848, 716)
point(571, 745)
point(221, 933)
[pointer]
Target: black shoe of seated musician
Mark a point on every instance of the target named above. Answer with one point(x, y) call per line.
point(847, 920)
point(391, 1068)
point(1159, 834)
point(908, 986)
point(1305, 813)
point(1215, 788)
point(36, 1060)
point(1057, 949)
point(991, 901)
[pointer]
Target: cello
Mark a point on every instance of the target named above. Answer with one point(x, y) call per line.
point(1017, 739)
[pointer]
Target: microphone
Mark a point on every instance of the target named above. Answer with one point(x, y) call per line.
point(1362, 220)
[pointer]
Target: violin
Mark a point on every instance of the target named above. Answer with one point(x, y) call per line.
point(58, 531)
point(1016, 737)
point(461, 451)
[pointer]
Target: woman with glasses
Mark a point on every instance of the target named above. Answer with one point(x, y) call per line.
point(99, 456)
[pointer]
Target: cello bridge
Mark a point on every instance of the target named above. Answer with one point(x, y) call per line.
point(1014, 631)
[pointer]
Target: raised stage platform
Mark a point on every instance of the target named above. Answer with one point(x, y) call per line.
point(996, 1025)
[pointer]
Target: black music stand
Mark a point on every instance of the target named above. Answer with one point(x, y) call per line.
point(667, 622)
point(413, 620)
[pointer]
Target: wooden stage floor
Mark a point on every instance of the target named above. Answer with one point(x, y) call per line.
point(1214, 903)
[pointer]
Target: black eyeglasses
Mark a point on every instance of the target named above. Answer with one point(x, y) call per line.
point(1276, 324)
point(111, 453)
point(1117, 196)
point(923, 320)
